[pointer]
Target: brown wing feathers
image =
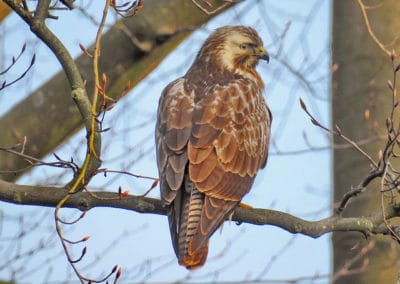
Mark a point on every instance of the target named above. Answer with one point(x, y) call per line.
point(212, 135)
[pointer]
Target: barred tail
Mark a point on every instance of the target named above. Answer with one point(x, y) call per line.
point(193, 218)
point(184, 223)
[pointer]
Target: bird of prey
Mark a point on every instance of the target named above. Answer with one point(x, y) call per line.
point(212, 135)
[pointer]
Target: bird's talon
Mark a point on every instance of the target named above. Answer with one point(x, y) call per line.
point(244, 205)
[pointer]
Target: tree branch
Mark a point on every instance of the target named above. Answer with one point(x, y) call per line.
point(76, 84)
point(121, 61)
point(50, 196)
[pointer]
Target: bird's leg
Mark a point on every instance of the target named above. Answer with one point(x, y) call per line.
point(242, 205)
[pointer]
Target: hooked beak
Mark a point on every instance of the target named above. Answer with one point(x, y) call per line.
point(262, 53)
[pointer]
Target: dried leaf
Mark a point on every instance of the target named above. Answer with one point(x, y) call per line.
point(82, 47)
point(85, 50)
point(334, 68)
point(155, 183)
point(104, 79)
point(302, 104)
point(124, 194)
point(119, 272)
point(380, 155)
point(367, 114)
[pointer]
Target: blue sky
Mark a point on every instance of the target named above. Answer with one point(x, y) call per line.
point(297, 35)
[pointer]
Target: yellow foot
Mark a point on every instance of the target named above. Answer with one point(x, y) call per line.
point(244, 205)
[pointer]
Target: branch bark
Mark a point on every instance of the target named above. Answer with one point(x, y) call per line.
point(161, 26)
point(50, 196)
point(358, 87)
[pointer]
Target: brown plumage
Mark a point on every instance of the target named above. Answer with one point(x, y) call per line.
point(212, 135)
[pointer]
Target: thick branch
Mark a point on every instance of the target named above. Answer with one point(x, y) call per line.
point(71, 70)
point(50, 196)
point(157, 26)
point(366, 225)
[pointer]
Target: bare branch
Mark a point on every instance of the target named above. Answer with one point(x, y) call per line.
point(337, 132)
point(50, 196)
point(226, 4)
point(6, 84)
point(370, 31)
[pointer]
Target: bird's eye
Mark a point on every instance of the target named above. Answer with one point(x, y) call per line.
point(247, 46)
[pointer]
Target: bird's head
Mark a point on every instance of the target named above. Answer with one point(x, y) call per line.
point(235, 48)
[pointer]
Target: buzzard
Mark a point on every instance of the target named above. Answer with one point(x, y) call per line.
point(212, 134)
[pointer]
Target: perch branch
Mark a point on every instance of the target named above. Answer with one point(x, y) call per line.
point(50, 196)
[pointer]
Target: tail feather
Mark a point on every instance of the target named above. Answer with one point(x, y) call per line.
point(194, 217)
point(196, 258)
point(184, 217)
point(214, 213)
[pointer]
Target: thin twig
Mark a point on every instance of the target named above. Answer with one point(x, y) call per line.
point(388, 226)
point(226, 4)
point(347, 270)
point(369, 29)
point(338, 133)
point(92, 159)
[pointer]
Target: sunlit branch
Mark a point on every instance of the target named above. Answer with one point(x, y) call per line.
point(50, 196)
point(363, 9)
